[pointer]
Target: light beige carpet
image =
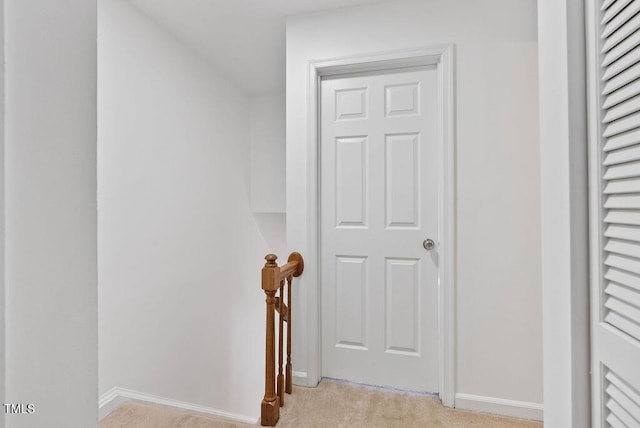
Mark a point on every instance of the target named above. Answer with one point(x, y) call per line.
point(332, 404)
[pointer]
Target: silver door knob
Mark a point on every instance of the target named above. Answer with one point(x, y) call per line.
point(428, 244)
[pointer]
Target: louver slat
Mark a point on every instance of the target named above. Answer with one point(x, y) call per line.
point(614, 10)
point(623, 324)
point(627, 154)
point(624, 248)
point(614, 422)
point(631, 233)
point(623, 386)
point(624, 278)
point(626, 170)
point(623, 217)
point(625, 46)
point(626, 403)
point(623, 201)
point(621, 413)
point(624, 93)
point(623, 72)
point(622, 140)
point(622, 109)
point(623, 263)
point(630, 312)
point(622, 402)
point(624, 293)
point(621, 31)
point(628, 185)
point(625, 124)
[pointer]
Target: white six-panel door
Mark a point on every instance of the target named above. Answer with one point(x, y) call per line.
point(379, 203)
point(614, 53)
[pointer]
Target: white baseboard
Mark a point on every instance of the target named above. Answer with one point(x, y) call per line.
point(299, 378)
point(109, 401)
point(499, 406)
point(117, 396)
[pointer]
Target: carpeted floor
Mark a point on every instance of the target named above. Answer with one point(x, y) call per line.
point(332, 404)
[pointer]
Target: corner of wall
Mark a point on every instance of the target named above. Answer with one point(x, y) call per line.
point(564, 211)
point(2, 221)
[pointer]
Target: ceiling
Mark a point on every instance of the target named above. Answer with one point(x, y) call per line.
point(243, 40)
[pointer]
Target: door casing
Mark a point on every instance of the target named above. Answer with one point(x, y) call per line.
point(442, 56)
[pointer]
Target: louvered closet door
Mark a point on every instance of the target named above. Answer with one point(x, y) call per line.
point(615, 211)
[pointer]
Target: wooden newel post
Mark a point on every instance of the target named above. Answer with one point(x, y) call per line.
point(270, 403)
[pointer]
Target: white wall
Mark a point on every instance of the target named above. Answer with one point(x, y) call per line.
point(563, 173)
point(267, 133)
point(499, 325)
point(50, 196)
point(181, 311)
point(268, 176)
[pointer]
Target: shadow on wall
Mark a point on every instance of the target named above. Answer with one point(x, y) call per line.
point(273, 227)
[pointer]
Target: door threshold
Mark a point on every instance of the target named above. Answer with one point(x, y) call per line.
point(382, 387)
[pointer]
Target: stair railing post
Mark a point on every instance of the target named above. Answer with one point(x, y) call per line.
point(288, 387)
point(297, 258)
point(270, 409)
point(281, 311)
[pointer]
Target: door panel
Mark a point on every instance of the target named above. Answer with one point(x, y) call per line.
point(351, 181)
point(402, 329)
point(379, 202)
point(351, 302)
point(402, 180)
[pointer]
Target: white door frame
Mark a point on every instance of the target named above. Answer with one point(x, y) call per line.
point(442, 57)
